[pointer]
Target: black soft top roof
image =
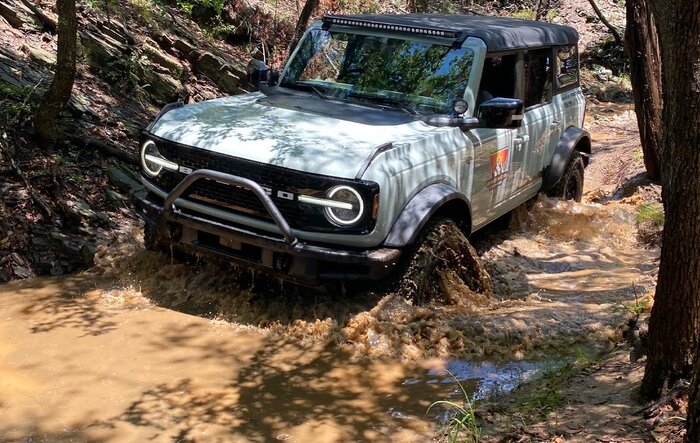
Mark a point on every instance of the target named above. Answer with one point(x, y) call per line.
point(499, 33)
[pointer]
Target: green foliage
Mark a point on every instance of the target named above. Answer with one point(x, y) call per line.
point(547, 397)
point(635, 308)
point(462, 425)
point(186, 5)
point(103, 5)
point(220, 30)
point(651, 212)
point(16, 102)
point(359, 6)
point(436, 6)
point(525, 14)
point(216, 5)
point(145, 10)
point(551, 15)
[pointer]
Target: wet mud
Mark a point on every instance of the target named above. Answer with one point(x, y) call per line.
point(560, 273)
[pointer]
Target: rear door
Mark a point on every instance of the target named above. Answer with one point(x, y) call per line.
point(542, 122)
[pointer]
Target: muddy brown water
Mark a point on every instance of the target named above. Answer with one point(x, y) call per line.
point(142, 348)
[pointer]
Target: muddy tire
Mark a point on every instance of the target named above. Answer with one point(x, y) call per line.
point(441, 248)
point(570, 186)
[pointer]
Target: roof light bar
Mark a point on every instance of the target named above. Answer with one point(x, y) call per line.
point(328, 21)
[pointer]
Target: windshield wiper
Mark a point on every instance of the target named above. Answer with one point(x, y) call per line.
point(387, 101)
point(306, 86)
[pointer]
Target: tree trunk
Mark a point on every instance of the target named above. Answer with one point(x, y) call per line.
point(59, 92)
point(645, 72)
point(542, 9)
point(674, 322)
point(693, 419)
point(613, 30)
point(303, 22)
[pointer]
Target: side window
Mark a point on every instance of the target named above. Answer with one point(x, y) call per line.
point(538, 77)
point(498, 78)
point(567, 66)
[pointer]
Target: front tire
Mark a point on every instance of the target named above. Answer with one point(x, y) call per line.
point(570, 186)
point(441, 247)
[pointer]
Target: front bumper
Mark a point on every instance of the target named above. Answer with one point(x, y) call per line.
point(286, 255)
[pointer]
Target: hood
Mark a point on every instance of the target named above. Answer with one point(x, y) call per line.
point(285, 133)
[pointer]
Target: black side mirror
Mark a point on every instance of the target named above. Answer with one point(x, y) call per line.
point(258, 72)
point(273, 76)
point(501, 112)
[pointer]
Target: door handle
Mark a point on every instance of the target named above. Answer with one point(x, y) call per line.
point(554, 124)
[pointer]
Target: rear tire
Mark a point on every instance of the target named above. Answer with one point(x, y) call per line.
point(570, 186)
point(441, 246)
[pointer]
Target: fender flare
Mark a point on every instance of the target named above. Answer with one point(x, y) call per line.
point(573, 139)
point(421, 208)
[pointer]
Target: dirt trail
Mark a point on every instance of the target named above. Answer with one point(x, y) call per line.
point(106, 355)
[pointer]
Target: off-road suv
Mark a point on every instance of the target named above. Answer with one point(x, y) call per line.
point(380, 131)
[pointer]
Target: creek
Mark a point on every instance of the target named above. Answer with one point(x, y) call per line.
point(141, 347)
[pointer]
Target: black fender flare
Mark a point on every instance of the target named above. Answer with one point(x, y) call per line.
point(421, 208)
point(573, 139)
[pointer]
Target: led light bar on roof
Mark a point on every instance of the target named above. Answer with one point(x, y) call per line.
point(420, 30)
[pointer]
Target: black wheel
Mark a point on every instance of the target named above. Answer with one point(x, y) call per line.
point(441, 247)
point(570, 186)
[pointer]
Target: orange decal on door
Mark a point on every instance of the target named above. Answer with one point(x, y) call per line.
point(499, 168)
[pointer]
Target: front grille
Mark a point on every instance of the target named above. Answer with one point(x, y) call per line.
point(289, 182)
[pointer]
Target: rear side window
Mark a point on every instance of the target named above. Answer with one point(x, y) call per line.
point(567, 66)
point(538, 77)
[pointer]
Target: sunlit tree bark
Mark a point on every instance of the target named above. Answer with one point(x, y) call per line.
point(675, 317)
point(645, 72)
point(59, 92)
point(303, 22)
point(611, 28)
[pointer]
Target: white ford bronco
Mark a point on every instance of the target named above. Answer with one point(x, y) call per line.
point(380, 129)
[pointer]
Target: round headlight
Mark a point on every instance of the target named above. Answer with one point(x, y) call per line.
point(351, 209)
point(149, 149)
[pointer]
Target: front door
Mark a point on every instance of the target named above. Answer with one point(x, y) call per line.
point(491, 167)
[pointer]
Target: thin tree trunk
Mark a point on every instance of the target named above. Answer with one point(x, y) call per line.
point(645, 72)
point(542, 9)
point(303, 22)
point(59, 92)
point(675, 317)
point(613, 30)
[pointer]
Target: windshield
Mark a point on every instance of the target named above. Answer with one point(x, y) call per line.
point(419, 76)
